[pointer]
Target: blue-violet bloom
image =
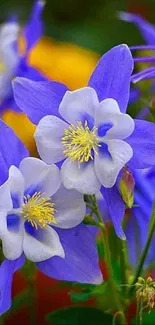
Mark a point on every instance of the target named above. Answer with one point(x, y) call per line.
point(90, 129)
point(33, 201)
point(12, 63)
point(77, 243)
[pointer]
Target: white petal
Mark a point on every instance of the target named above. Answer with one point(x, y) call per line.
point(107, 169)
point(40, 175)
point(77, 103)
point(48, 136)
point(70, 208)
point(108, 111)
point(16, 183)
point(12, 242)
point(38, 251)
point(82, 178)
point(5, 197)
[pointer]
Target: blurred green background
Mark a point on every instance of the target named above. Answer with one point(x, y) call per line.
point(92, 24)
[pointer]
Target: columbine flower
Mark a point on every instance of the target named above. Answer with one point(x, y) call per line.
point(12, 63)
point(78, 243)
point(148, 32)
point(90, 129)
point(92, 141)
point(32, 203)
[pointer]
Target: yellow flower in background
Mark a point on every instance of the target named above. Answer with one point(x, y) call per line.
point(22, 127)
point(64, 62)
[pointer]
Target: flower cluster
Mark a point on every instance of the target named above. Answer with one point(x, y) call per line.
point(89, 151)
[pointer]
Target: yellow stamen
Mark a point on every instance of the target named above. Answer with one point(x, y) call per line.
point(39, 211)
point(79, 142)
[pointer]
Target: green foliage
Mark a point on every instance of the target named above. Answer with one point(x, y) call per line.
point(147, 318)
point(79, 316)
point(21, 300)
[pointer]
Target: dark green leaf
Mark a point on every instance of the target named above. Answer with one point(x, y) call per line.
point(147, 319)
point(80, 296)
point(79, 316)
point(22, 299)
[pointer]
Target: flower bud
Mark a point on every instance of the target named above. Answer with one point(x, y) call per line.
point(126, 187)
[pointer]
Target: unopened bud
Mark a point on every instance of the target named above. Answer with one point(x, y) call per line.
point(127, 184)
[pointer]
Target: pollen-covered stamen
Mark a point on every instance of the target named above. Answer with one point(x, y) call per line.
point(79, 141)
point(38, 210)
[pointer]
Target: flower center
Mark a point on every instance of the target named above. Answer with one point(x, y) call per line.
point(79, 141)
point(39, 211)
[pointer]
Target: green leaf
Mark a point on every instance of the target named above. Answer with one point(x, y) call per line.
point(147, 318)
point(80, 296)
point(105, 299)
point(22, 299)
point(79, 316)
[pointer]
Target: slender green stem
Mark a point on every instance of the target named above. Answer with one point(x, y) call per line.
point(108, 259)
point(144, 253)
point(90, 206)
point(32, 297)
point(119, 316)
point(138, 313)
point(123, 261)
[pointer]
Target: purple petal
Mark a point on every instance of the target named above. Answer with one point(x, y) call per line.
point(147, 30)
point(7, 270)
point(148, 73)
point(111, 77)
point(136, 233)
point(145, 59)
point(142, 141)
point(81, 259)
point(116, 208)
point(25, 71)
point(142, 47)
point(143, 113)
point(38, 99)
point(12, 150)
point(34, 29)
point(9, 102)
point(134, 95)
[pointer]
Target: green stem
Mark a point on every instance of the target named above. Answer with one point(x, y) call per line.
point(119, 316)
point(123, 261)
point(90, 207)
point(32, 297)
point(138, 313)
point(108, 259)
point(144, 253)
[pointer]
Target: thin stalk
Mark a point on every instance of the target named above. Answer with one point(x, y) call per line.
point(123, 262)
point(144, 253)
point(119, 316)
point(108, 260)
point(138, 313)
